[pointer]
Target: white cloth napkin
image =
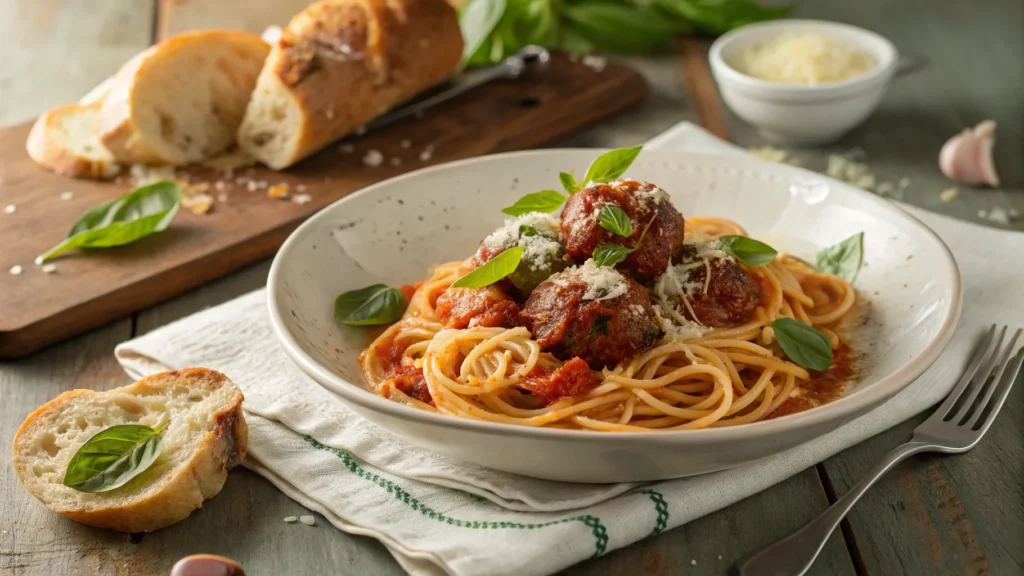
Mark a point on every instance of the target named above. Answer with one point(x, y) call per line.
point(441, 516)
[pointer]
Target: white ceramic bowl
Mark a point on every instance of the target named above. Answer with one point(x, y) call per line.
point(394, 231)
point(794, 114)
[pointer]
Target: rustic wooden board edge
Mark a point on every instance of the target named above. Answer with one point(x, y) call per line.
point(24, 339)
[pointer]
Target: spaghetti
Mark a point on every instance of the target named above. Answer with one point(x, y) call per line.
point(693, 377)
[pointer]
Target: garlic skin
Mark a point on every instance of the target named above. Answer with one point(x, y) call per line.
point(967, 157)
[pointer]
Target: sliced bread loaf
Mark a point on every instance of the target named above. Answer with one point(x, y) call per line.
point(183, 99)
point(339, 64)
point(205, 437)
point(66, 140)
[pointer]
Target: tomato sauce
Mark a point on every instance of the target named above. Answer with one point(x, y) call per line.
point(823, 387)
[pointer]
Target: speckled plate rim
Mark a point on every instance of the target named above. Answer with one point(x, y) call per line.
point(839, 411)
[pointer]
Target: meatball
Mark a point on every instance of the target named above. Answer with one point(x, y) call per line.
point(543, 251)
point(595, 313)
point(645, 204)
point(732, 294)
point(472, 307)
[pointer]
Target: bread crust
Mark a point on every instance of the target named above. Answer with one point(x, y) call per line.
point(341, 63)
point(174, 495)
point(120, 132)
point(47, 150)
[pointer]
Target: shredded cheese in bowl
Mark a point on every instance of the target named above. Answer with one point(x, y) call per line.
point(804, 58)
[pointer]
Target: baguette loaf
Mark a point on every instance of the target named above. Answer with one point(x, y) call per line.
point(66, 141)
point(339, 64)
point(182, 100)
point(206, 437)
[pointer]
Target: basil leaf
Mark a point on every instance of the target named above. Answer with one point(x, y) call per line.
point(719, 16)
point(502, 265)
point(477, 19)
point(749, 251)
point(611, 254)
point(568, 182)
point(371, 306)
point(543, 201)
point(611, 164)
point(113, 456)
point(843, 259)
point(138, 214)
point(622, 27)
point(615, 220)
point(803, 344)
point(527, 230)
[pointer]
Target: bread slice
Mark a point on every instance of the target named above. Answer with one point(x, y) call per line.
point(206, 437)
point(339, 64)
point(182, 100)
point(66, 141)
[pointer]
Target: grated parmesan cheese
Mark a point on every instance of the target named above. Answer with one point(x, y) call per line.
point(804, 58)
point(508, 235)
point(674, 287)
point(603, 282)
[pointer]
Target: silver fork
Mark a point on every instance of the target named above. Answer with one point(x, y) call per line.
point(956, 427)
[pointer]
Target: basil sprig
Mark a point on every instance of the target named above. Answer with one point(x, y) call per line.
point(615, 220)
point(569, 182)
point(611, 164)
point(370, 306)
point(803, 344)
point(114, 456)
point(543, 201)
point(500, 266)
point(843, 259)
point(611, 254)
point(124, 220)
point(747, 250)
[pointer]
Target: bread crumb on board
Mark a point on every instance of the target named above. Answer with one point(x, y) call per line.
point(427, 153)
point(198, 204)
point(10, 209)
point(67, 195)
point(302, 199)
point(278, 191)
point(373, 158)
point(49, 269)
point(15, 270)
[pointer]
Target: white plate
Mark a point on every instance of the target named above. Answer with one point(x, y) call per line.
point(394, 231)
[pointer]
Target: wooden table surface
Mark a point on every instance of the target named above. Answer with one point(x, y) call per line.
point(936, 515)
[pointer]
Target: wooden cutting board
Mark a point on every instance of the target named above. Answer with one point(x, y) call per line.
point(95, 287)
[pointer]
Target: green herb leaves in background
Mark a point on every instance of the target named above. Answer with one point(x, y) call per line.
point(370, 306)
point(843, 259)
point(614, 219)
point(138, 214)
point(747, 250)
point(611, 254)
point(803, 344)
point(543, 201)
point(500, 266)
point(611, 164)
point(495, 29)
point(114, 456)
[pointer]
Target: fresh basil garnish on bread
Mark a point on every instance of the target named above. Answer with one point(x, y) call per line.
point(114, 456)
point(370, 306)
point(124, 220)
point(497, 268)
point(747, 250)
point(843, 259)
point(803, 344)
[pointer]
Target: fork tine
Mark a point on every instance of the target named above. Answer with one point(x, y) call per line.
point(980, 356)
point(1001, 382)
point(963, 407)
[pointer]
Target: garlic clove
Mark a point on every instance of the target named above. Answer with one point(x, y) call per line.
point(967, 157)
